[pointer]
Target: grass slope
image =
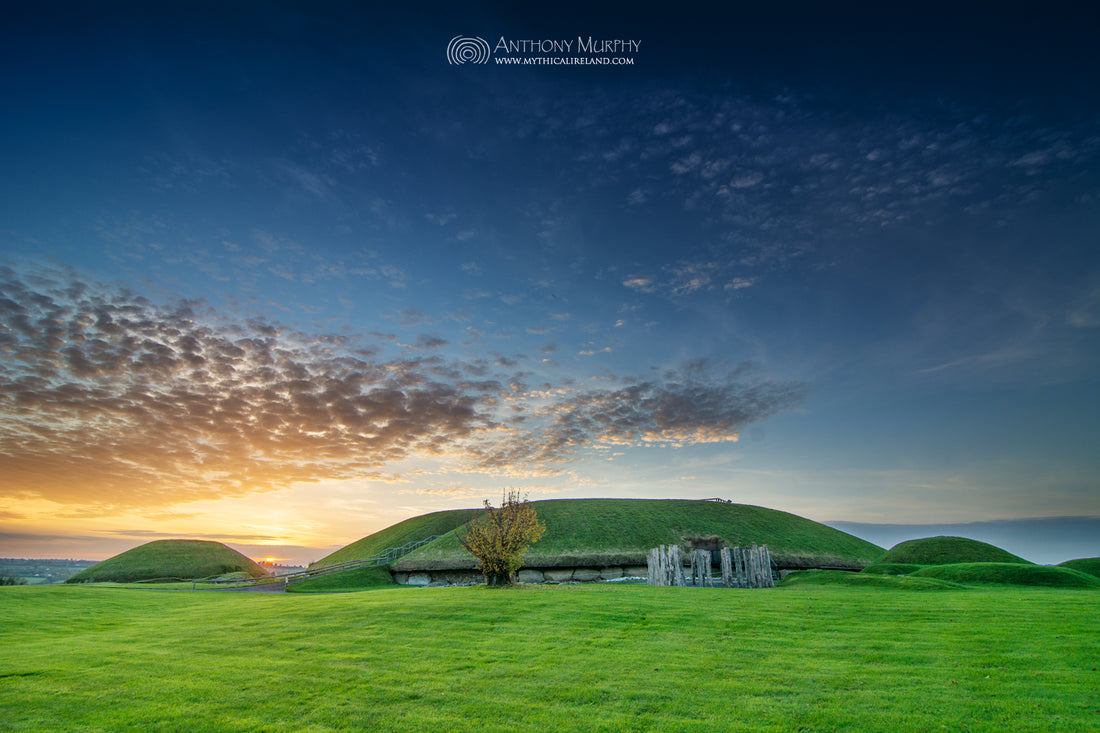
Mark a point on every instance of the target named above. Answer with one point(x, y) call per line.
point(347, 581)
point(402, 533)
point(816, 578)
point(1090, 565)
point(1004, 573)
point(605, 532)
point(163, 559)
point(945, 550)
point(892, 568)
point(562, 658)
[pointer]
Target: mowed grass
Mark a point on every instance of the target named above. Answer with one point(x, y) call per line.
point(561, 658)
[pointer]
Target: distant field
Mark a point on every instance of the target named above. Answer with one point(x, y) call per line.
point(814, 656)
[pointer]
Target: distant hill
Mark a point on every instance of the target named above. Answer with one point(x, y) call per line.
point(607, 532)
point(177, 559)
point(947, 550)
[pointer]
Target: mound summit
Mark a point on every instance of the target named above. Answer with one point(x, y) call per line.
point(948, 550)
point(169, 559)
point(607, 533)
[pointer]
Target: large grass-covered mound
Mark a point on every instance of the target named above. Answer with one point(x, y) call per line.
point(170, 559)
point(1090, 565)
point(947, 550)
point(1009, 573)
point(402, 533)
point(608, 532)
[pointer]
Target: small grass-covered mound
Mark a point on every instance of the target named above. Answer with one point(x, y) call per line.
point(608, 532)
point(892, 568)
point(818, 578)
point(402, 533)
point(345, 582)
point(947, 550)
point(170, 559)
point(1090, 565)
point(1004, 573)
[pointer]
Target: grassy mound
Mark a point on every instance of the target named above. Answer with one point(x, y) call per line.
point(1003, 573)
point(170, 559)
point(402, 533)
point(345, 582)
point(818, 578)
point(606, 532)
point(1090, 565)
point(947, 550)
point(892, 568)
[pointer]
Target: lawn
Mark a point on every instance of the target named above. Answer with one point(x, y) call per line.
point(565, 658)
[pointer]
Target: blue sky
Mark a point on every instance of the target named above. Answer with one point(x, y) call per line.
point(280, 274)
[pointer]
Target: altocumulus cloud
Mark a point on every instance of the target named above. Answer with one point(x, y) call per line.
point(685, 407)
point(108, 398)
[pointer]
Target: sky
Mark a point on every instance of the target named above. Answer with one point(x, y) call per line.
point(282, 274)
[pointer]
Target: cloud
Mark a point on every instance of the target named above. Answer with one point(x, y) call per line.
point(108, 398)
point(642, 284)
point(425, 341)
point(740, 283)
point(683, 408)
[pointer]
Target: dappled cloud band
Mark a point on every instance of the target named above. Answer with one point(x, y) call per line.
point(107, 397)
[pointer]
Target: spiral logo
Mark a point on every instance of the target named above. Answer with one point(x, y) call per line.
point(468, 50)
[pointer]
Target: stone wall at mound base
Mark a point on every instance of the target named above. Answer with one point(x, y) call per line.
point(526, 575)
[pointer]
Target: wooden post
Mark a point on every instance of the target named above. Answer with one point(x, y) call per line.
point(757, 573)
point(677, 559)
point(769, 579)
point(700, 568)
point(727, 567)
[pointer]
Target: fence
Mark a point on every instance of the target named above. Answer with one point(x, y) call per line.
point(742, 567)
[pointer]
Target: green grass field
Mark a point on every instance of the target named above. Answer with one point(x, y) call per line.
point(811, 656)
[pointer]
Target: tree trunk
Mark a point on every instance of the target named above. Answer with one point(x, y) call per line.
point(499, 579)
